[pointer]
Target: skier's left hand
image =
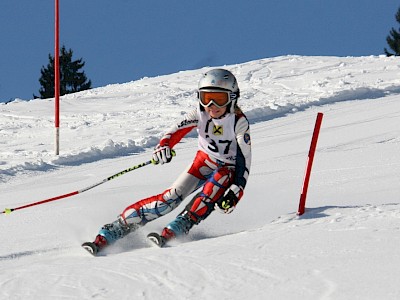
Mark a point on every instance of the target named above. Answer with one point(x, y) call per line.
point(228, 202)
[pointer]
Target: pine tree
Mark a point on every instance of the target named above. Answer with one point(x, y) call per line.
point(71, 79)
point(393, 39)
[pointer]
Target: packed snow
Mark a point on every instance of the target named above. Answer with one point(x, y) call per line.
point(345, 246)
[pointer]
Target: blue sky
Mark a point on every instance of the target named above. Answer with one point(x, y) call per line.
point(124, 40)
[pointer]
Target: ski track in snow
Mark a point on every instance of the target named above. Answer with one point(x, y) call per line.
point(258, 256)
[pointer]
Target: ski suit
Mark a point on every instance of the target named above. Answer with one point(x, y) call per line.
point(223, 158)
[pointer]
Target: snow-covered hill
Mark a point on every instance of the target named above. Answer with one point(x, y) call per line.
point(344, 247)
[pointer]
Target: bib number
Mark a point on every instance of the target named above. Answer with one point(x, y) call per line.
point(215, 146)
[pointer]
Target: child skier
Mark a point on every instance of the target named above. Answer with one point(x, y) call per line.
point(221, 166)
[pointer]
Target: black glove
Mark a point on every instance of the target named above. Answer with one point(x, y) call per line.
point(228, 202)
point(162, 154)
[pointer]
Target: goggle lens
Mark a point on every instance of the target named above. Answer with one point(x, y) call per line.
point(219, 99)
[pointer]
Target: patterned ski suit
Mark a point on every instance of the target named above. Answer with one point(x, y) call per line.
point(223, 158)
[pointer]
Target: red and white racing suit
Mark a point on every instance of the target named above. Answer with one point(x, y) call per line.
point(223, 158)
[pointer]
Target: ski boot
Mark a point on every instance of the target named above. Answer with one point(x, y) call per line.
point(178, 227)
point(94, 247)
point(109, 234)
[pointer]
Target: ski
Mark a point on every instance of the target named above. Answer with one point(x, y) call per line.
point(91, 248)
point(156, 239)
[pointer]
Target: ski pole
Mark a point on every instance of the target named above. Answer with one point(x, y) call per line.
point(8, 211)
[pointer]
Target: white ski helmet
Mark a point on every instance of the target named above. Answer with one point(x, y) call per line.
point(221, 80)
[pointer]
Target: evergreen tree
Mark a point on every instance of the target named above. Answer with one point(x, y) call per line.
point(393, 39)
point(71, 79)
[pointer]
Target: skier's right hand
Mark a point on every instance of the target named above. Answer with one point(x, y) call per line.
point(162, 154)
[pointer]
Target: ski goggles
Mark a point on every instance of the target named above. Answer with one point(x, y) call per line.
point(219, 98)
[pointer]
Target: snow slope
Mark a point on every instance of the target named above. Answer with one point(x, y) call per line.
point(344, 247)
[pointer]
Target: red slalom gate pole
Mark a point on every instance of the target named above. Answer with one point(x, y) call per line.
point(310, 160)
point(57, 74)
